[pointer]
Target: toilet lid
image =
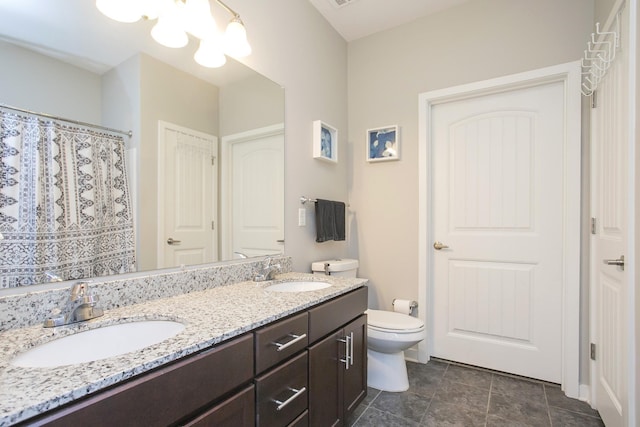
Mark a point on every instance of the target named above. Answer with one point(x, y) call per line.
point(392, 320)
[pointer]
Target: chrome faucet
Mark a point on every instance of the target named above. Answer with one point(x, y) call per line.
point(52, 277)
point(80, 306)
point(267, 270)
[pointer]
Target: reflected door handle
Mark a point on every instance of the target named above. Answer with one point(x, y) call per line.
point(170, 241)
point(280, 241)
point(618, 262)
point(439, 245)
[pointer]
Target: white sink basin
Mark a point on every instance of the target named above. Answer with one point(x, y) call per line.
point(98, 343)
point(300, 286)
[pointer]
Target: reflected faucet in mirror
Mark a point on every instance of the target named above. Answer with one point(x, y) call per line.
point(239, 104)
point(267, 271)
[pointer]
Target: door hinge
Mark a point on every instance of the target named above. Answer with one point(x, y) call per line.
point(592, 347)
point(593, 226)
point(594, 99)
point(213, 225)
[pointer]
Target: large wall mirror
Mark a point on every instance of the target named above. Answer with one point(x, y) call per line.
point(206, 159)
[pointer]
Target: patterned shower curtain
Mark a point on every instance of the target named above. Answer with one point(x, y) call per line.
point(65, 207)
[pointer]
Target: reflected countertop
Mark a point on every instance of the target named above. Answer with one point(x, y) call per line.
point(211, 316)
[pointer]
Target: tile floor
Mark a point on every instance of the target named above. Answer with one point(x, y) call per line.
point(446, 394)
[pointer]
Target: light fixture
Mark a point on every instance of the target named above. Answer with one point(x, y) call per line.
point(177, 19)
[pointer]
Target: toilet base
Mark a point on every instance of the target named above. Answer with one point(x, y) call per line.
point(387, 371)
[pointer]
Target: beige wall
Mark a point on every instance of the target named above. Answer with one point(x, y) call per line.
point(475, 41)
point(251, 103)
point(294, 46)
point(478, 40)
point(36, 82)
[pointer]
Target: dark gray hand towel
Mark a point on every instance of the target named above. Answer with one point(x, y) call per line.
point(330, 220)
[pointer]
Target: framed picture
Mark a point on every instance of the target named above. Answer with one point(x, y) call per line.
point(383, 144)
point(325, 142)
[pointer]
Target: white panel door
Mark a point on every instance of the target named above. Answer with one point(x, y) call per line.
point(187, 196)
point(257, 193)
point(498, 206)
point(609, 139)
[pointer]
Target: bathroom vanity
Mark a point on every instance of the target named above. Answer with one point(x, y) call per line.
point(296, 359)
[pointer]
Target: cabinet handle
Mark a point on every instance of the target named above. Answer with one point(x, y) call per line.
point(349, 345)
point(351, 348)
point(295, 339)
point(297, 393)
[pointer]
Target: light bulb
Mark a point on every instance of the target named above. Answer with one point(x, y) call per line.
point(198, 19)
point(168, 32)
point(209, 54)
point(120, 10)
point(235, 39)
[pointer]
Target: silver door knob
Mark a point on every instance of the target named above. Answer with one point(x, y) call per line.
point(170, 241)
point(619, 261)
point(439, 245)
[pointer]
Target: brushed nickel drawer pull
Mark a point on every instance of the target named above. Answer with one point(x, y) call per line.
point(348, 348)
point(351, 348)
point(296, 338)
point(297, 393)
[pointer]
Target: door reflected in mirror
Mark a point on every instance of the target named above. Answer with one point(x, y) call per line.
point(206, 159)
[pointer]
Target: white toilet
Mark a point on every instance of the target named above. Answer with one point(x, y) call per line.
point(388, 335)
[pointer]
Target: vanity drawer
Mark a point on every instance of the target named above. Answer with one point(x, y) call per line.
point(284, 387)
point(236, 411)
point(301, 421)
point(166, 395)
point(333, 314)
point(280, 340)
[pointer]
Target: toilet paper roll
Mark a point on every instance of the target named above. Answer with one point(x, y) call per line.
point(403, 306)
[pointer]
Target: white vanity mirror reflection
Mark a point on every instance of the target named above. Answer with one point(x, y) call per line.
point(64, 58)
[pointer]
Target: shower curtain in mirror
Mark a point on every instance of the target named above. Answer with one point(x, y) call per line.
point(65, 207)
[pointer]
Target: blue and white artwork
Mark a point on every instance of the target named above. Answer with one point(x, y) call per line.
point(382, 144)
point(325, 142)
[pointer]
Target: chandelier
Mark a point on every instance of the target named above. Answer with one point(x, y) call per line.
point(177, 19)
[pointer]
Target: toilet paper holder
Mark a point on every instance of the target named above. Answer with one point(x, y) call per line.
point(412, 305)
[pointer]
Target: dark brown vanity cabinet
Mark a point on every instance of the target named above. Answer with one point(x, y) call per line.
point(178, 391)
point(338, 362)
point(308, 369)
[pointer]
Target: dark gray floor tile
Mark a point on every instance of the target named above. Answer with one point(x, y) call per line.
point(466, 397)
point(509, 386)
point(425, 378)
point(560, 417)
point(372, 393)
point(557, 398)
point(468, 376)
point(444, 414)
point(495, 421)
point(407, 405)
point(519, 408)
point(373, 417)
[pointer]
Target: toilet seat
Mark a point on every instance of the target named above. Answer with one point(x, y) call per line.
point(389, 321)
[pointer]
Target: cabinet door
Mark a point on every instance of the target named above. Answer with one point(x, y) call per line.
point(236, 411)
point(355, 378)
point(325, 379)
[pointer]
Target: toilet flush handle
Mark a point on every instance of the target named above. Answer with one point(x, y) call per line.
point(439, 245)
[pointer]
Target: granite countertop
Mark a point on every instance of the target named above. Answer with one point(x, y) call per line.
point(210, 316)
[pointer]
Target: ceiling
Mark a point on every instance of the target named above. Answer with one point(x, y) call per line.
point(75, 32)
point(355, 19)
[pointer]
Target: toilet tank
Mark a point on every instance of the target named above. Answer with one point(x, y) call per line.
point(336, 267)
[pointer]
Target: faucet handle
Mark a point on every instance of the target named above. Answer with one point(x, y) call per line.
point(79, 289)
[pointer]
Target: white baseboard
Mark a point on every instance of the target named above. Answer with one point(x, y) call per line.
point(411, 354)
point(585, 394)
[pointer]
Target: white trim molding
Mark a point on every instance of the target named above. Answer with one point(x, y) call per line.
point(569, 74)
